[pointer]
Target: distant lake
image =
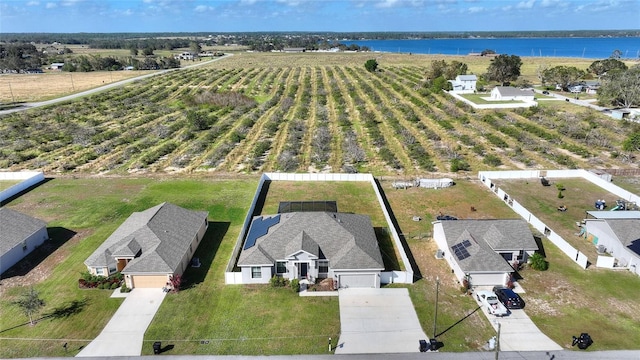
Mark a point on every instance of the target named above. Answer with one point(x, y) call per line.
point(591, 48)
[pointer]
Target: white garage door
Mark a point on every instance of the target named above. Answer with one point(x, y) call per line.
point(357, 281)
point(488, 279)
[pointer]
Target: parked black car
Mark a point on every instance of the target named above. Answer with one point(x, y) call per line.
point(508, 297)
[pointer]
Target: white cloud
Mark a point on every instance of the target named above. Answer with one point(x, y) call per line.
point(248, 2)
point(387, 3)
point(203, 8)
point(51, 5)
point(526, 4)
point(475, 9)
point(290, 2)
point(33, 3)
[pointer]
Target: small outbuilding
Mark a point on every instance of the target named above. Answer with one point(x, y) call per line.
point(56, 66)
point(20, 234)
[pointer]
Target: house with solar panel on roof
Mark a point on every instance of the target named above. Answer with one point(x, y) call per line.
point(307, 244)
point(484, 252)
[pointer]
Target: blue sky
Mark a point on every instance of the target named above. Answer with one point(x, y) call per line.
point(315, 15)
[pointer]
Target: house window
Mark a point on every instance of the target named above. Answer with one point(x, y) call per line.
point(281, 267)
point(256, 272)
point(323, 267)
point(100, 271)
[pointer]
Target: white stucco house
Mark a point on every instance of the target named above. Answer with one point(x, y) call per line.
point(312, 245)
point(20, 234)
point(483, 251)
point(464, 84)
point(619, 237)
point(151, 246)
point(508, 93)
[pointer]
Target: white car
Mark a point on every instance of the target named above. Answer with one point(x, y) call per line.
point(489, 300)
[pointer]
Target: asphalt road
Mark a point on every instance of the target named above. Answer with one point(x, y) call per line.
point(31, 105)
point(485, 355)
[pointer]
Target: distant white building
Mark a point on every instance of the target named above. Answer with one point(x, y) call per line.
point(186, 55)
point(56, 66)
point(464, 84)
point(511, 93)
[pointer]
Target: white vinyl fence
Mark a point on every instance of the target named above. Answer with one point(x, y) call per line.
point(405, 277)
point(29, 178)
point(486, 178)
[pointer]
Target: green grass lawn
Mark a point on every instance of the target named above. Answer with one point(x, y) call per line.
point(94, 208)
point(579, 196)
point(566, 300)
point(209, 317)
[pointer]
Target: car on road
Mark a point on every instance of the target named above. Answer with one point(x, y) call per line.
point(508, 297)
point(545, 92)
point(490, 301)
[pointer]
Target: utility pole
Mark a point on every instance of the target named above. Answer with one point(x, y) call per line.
point(498, 341)
point(435, 318)
point(13, 99)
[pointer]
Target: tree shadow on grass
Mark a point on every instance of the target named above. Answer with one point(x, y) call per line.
point(412, 261)
point(72, 308)
point(206, 252)
point(58, 237)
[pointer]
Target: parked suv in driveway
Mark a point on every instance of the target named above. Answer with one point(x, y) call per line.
point(508, 297)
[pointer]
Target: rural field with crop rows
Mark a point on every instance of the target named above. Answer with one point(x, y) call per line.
point(303, 112)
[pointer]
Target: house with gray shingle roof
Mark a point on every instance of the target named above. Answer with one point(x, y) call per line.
point(20, 234)
point(482, 251)
point(310, 246)
point(618, 237)
point(151, 246)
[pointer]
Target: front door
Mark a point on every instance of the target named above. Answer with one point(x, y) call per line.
point(302, 270)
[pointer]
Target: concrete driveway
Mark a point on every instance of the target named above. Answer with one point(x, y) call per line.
point(378, 321)
point(123, 334)
point(518, 332)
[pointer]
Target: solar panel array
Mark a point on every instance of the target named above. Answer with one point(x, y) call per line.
point(259, 228)
point(305, 206)
point(460, 249)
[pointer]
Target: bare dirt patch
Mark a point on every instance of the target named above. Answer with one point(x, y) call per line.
point(38, 87)
point(38, 265)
